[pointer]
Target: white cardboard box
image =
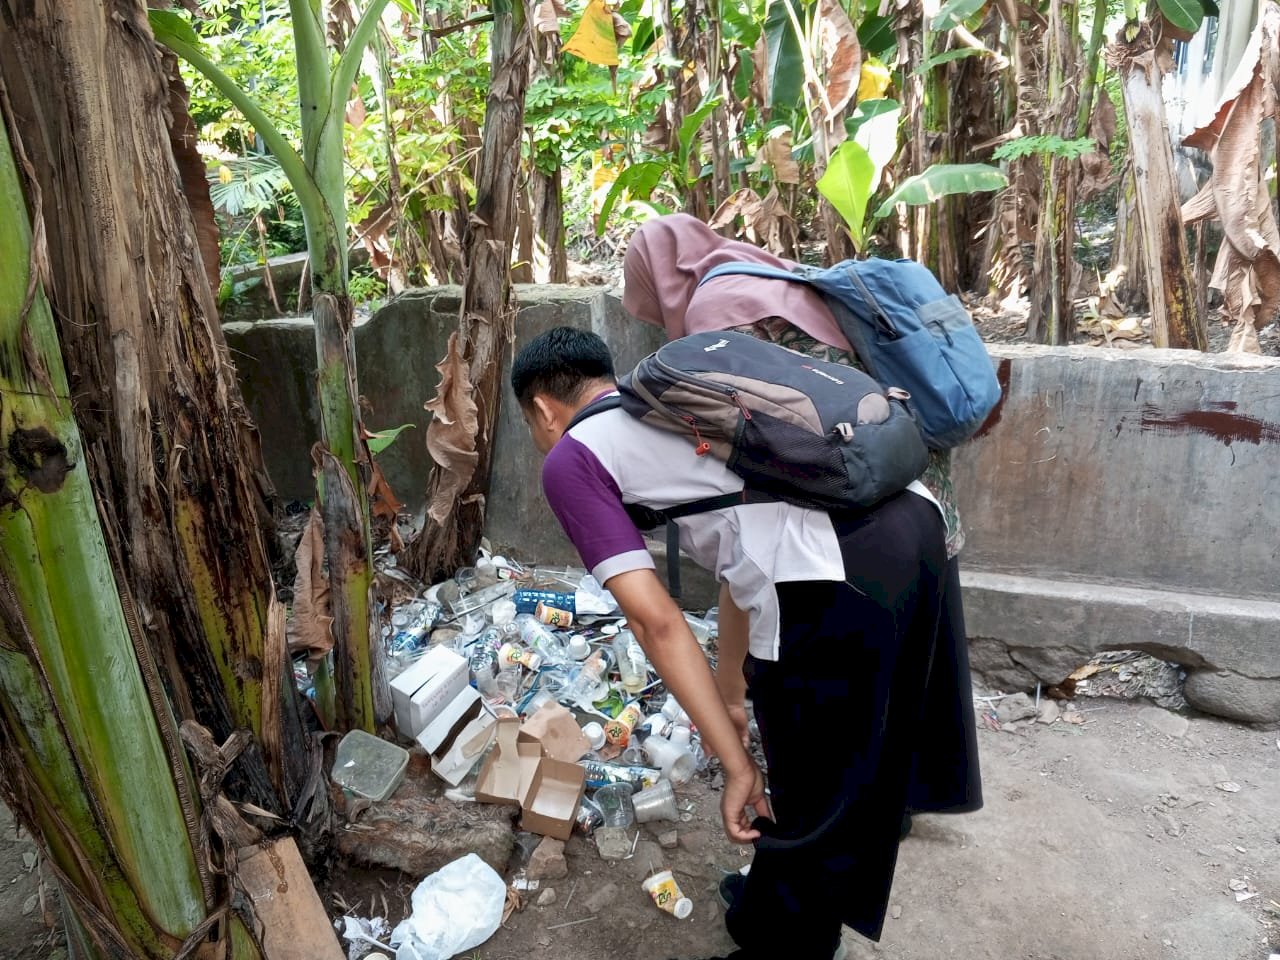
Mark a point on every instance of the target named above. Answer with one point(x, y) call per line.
point(457, 736)
point(423, 690)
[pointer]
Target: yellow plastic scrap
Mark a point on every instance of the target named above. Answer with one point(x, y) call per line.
point(874, 80)
point(595, 40)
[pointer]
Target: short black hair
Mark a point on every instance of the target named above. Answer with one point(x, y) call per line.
point(558, 363)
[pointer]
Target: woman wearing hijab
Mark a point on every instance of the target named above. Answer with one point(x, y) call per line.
point(664, 264)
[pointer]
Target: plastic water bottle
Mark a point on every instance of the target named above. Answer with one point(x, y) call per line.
point(538, 638)
point(587, 683)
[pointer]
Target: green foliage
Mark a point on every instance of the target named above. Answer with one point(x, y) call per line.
point(382, 439)
point(847, 185)
point(956, 12)
point(947, 56)
point(1045, 145)
point(854, 172)
point(639, 180)
point(943, 179)
point(247, 184)
point(365, 285)
point(1185, 14)
point(786, 62)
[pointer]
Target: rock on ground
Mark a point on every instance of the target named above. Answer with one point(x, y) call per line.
point(1231, 695)
point(1019, 706)
point(547, 861)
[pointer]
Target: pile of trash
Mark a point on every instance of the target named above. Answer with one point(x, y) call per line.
point(525, 687)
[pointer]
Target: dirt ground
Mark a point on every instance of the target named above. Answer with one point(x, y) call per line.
point(1112, 839)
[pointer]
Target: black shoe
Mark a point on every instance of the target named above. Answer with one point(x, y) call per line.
point(730, 889)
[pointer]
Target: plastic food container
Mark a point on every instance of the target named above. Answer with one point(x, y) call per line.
point(369, 766)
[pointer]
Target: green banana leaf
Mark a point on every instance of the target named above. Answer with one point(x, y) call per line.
point(943, 179)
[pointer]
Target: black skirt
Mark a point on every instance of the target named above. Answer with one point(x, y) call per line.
point(865, 715)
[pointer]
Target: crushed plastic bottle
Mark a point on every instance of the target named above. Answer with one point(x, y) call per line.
point(410, 625)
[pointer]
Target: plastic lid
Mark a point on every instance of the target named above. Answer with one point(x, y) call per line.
point(684, 907)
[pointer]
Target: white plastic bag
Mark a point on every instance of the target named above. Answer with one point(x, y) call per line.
point(456, 908)
point(591, 599)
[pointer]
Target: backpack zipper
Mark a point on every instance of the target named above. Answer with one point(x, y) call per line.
point(702, 386)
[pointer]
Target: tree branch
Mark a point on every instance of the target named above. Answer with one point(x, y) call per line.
point(456, 27)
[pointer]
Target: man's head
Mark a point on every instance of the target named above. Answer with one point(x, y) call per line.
point(554, 376)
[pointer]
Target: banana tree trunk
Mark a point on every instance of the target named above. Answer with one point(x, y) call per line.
point(170, 451)
point(91, 757)
point(456, 492)
point(1174, 322)
point(546, 194)
point(1051, 318)
point(358, 698)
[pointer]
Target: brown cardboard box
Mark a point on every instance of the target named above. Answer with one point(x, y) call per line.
point(517, 771)
point(555, 727)
point(551, 801)
point(509, 769)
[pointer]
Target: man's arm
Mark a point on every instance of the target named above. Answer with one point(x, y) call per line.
point(732, 649)
point(666, 639)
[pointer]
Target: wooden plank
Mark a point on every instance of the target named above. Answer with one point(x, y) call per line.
point(293, 920)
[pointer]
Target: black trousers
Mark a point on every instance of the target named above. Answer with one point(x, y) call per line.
point(867, 713)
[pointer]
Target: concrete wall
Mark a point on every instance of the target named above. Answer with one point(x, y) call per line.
point(1116, 499)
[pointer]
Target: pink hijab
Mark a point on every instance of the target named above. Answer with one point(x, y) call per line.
point(669, 255)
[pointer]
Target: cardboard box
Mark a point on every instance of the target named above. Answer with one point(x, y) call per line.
point(551, 800)
point(420, 692)
point(558, 732)
point(509, 768)
point(518, 771)
point(460, 732)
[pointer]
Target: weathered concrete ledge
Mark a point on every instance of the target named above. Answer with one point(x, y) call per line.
point(1115, 499)
point(1024, 629)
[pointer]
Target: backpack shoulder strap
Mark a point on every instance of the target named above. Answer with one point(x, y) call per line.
point(611, 402)
point(747, 269)
point(647, 518)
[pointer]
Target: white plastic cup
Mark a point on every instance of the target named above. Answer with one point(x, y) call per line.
point(676, 762)
point(656, 803)
point(680, 735)
point(579, 648)
point(666, 893)
point(594, 733)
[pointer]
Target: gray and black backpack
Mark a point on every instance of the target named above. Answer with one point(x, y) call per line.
point(813, 433)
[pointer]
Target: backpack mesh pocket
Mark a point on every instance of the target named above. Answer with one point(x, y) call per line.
point(786, 460)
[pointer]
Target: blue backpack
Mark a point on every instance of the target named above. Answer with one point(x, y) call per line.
point(908, 333)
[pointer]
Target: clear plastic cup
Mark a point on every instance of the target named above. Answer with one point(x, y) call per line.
point(615, 806)
point(656, 803)
point(632, 664)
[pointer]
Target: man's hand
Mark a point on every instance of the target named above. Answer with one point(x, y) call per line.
point(742, 801)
